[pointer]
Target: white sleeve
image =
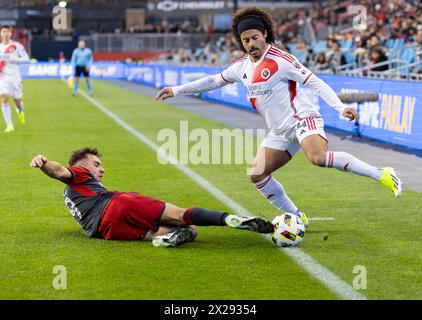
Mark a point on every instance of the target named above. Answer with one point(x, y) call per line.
point(292, 69)
point(325, 92)
point(20, 56)
point(231, 74)
point(205, 84)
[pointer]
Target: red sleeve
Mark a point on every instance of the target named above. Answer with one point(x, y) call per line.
point(80, 175)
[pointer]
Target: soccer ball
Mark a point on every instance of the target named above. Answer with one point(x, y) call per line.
point(288, 230)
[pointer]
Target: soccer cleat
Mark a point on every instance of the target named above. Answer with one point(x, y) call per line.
point(304, 218)
point(250, 223)
point(9, 129)
point(175, 238)
point(390, 180)
point(21, 116)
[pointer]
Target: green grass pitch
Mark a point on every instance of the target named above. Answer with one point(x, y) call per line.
point(371, 228)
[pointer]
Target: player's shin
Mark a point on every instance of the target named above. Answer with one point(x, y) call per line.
point(274, 192)
point(204, 217)
point(346, 162)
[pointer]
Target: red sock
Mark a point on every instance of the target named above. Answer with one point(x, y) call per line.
point(187, 216)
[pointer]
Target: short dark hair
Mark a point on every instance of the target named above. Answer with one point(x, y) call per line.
point(82, 153)
point(6, 27)
point(262, 15)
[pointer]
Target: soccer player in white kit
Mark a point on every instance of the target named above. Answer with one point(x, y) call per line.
point(12, 53)
point(271, 77)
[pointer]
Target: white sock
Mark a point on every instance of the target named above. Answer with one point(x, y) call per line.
point(7, 114)
point(346, 162)
point(274, 192)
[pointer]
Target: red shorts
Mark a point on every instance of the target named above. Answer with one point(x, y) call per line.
point(129, 216)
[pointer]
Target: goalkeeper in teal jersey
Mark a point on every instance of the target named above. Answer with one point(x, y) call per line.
point(82, 59)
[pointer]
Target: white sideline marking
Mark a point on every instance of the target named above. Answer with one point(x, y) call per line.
point(339, 287)
point(321, 219)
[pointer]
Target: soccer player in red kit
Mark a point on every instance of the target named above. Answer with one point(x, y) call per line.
point(115, 215)
point(271, 76)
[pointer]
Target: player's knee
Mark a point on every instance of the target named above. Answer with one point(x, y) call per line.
point(317, 159)
point(255, 178)
point(258, 173)
point(173, 214)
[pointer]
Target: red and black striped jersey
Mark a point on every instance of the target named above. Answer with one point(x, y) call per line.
point(86, 198)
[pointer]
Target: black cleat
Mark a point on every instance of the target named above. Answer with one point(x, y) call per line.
point(250, 223)
point(175, 238)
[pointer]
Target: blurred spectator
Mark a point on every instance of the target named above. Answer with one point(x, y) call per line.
point(359, 52)
point(418, 48)
point(322, 63)
point(378, 56)
point(310, 58)
point(335, 56)
point(374, 42)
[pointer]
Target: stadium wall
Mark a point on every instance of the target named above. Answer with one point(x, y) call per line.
point(395, 118)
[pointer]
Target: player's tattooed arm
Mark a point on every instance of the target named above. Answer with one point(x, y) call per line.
point(52, 169)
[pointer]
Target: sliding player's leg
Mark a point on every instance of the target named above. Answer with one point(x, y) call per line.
point(186, 219)
point(205, 217)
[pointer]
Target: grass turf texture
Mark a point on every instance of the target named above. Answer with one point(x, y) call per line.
point(372, 228)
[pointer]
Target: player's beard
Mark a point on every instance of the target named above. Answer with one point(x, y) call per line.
point(255, 53)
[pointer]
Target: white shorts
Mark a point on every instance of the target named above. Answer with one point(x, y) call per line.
point(290, 139)
point(12, 88)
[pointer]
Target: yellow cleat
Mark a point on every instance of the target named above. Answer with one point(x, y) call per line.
point(9, 129)
point(390, 180)
point(304, 218)
point(21, 116)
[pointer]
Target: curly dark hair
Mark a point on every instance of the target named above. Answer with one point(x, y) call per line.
point(264, 16)
point(82, 153)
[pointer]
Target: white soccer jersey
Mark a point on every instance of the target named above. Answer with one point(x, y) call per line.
point(11, 55)
point(272, 87)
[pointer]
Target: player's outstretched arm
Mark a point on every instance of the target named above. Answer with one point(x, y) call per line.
point(52, 169)
point(325, 92)
point(202, 85)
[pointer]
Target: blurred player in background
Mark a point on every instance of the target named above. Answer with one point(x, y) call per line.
point(271, 77)
point(113, 215)
point(82, 59)
point(12, 53)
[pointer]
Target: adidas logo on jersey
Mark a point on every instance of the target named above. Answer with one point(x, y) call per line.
point(244, 76)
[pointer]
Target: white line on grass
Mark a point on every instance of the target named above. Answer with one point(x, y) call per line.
point(339, 287)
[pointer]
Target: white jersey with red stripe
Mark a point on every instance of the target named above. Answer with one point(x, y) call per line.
point(272, 85)
point(11, 55)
